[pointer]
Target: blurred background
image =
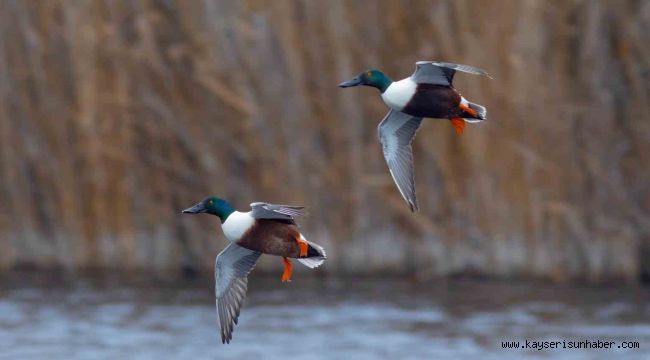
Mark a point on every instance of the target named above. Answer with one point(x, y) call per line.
point(116, 115)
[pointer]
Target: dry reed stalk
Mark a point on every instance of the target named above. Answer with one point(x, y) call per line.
point(114, 115)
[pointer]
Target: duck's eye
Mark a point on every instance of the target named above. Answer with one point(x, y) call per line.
point(210, 202)
point(369, 74)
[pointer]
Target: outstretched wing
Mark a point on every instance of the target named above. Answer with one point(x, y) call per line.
point(231, 282)
point(396, 131)
point(441, 73)
point(261, 210)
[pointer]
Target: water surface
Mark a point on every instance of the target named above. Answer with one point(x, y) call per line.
point(46, 316)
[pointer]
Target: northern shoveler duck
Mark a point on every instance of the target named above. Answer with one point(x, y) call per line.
point(266, 229)
point(428, 92)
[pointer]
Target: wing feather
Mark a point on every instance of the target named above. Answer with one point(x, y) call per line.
point(441, 73)
point(463, 68)
point(231, 271)
point(396, 131)
point(262, 210)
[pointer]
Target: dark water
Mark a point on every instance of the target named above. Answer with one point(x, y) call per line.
point(49, 317)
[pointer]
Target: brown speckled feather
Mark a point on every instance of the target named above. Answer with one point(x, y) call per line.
point(272, 237)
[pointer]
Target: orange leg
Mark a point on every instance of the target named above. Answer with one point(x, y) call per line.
point(304, 247)
point(286, 275)
point(468, 110)
point(459, 125)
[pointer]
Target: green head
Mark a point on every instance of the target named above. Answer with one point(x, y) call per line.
point(212, 205)
point(372, 77)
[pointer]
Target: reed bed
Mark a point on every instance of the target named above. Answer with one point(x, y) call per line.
point(115, 115)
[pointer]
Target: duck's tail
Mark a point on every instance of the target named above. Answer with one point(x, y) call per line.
point(469, 113)
point(472, 113)
point(315, 255)
point(481, 112)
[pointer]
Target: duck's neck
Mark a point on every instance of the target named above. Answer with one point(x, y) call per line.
point(223, 212)
point(382, 83)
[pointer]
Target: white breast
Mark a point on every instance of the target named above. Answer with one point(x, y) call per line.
point(399, 93)
point(237, 224)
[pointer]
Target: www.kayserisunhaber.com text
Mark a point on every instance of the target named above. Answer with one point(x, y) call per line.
point(570, 344)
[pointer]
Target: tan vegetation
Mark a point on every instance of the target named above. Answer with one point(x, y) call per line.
point(115, 115)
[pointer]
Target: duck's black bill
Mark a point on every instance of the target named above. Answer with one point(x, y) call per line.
point(196, 209)
point(350, 83)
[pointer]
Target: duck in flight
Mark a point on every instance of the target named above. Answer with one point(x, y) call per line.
point(266, 229)
point(428, 92)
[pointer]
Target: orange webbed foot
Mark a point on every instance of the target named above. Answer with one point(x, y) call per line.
point(459, 125)
point(304, 247)
point(286, 275)
point(468, 110)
